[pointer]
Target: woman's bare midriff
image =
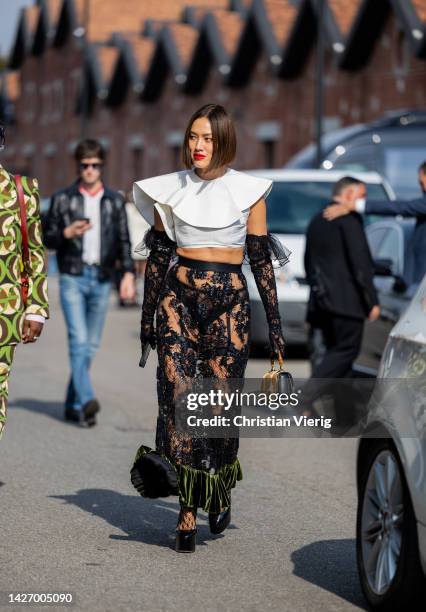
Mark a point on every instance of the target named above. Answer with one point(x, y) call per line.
point(232, 255)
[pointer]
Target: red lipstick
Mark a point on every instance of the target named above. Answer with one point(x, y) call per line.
point(199, 156)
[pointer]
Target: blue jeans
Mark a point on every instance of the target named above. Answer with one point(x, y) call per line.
point(84, 301)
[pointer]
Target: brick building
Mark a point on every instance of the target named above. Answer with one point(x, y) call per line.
point(146, 67)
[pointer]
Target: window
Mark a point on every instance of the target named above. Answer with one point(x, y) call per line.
point(50, 163)
point(390, 249)
point(175, 149)
point(269, 152)
point(358, 159)
point(74, 90)
point(292, 204)
point(44, 96)
point(402, 54)
point(57, 100)
point(30, 101)
point(268, 132)
point(137, 162)
point(375, 237)
point(174, 140)
point(401, 166)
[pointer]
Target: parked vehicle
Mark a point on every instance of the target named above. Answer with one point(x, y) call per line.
point(391, 471)
point(296, 196)
point(391, 249)
point(394, 146)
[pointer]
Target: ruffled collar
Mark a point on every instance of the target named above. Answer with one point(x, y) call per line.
point(201, 202)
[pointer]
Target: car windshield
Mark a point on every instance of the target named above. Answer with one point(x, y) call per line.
point(292, 204)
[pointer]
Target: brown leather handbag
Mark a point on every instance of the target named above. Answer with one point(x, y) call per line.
point(25, 265)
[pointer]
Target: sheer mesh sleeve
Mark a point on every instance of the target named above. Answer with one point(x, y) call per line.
point(259, 250)
point(161, 249)
point(279, 254)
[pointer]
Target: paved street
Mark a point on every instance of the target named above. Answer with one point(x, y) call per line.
point(71, 521)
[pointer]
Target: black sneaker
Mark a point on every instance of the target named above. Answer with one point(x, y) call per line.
point(90, 409)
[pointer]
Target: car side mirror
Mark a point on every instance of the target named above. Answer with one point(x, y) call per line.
point(383, 267)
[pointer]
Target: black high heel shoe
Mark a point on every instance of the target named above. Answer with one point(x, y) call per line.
point(186, 538)
point(218, 522)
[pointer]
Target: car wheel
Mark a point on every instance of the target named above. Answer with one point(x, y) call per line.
point(387, 544)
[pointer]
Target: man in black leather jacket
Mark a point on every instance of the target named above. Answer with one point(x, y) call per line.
point(87, 226)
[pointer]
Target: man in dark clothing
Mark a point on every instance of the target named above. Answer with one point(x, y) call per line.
point(87, 226)
point(355, 201)
point(339, 271)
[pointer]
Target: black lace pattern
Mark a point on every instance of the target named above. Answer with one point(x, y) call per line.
point(266, 244)
point(261, 251)
point(161, 250)
point(202, 332)
point(203, 320)
point(154, 239)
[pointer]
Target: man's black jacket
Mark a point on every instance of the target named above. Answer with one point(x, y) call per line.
point(67, 206)
point(339, 267)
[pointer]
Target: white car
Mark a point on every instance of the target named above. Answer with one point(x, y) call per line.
point(391, 471)
point(296, 196)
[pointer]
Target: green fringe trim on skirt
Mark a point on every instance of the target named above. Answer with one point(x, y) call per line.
point(211, 492)
point(197, 488)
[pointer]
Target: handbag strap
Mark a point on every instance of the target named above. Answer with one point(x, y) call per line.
point(280, 363)
point(24, 228)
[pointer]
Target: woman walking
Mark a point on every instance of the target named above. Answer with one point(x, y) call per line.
point(209, 217)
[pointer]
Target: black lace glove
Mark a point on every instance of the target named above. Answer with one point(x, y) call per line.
point(161, 250)
point(259, 249)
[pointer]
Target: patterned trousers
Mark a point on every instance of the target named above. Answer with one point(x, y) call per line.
point(6, 358)
point(203, 329)
point(203, 323)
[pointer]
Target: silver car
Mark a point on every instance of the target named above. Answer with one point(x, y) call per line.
point(296, 196)
point(391, 246)
point(391, 471)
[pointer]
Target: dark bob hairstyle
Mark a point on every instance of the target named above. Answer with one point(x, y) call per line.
point(89, 148)
point(223, 134)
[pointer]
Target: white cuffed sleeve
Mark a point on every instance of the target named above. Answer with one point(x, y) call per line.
point(34, 317)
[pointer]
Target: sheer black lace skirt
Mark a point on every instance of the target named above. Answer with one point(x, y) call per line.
point(203, 326)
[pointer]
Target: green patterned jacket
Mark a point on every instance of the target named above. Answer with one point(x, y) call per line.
point(12, 312)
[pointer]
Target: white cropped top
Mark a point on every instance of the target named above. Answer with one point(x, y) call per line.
point(199, 213)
